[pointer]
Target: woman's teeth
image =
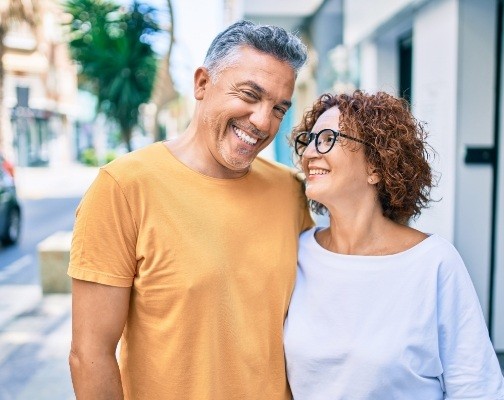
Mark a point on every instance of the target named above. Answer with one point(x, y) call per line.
point(318, 172)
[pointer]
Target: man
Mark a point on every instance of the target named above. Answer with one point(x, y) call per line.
point(187, 248)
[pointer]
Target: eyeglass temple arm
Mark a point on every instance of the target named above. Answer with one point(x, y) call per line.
point(353, 138)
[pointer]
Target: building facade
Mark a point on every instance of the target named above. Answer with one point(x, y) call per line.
point(40, 89)
point(445, 56)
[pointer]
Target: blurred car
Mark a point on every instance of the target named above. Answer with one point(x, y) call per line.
point(10, 209)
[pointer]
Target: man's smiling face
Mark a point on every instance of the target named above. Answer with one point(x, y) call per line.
point(242, 109)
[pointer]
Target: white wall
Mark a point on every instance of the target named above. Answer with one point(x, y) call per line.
point(369, 66)
point(498, 311)
point(362, 17)
point(476, 105)
point(388, 66)
point(379, 66)
point(434, 101)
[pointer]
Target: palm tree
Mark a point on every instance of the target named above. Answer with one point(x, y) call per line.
point(12, 13)
point(117, 62)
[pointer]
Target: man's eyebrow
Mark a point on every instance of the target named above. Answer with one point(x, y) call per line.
point(259, 89)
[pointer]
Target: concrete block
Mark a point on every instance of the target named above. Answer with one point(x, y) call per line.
point(54, 256)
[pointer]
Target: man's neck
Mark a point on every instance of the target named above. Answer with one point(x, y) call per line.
point(185, 149)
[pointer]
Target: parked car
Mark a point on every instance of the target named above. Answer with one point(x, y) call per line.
point(10, 209)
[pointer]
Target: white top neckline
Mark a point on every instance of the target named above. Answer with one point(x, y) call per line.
point(420, 247)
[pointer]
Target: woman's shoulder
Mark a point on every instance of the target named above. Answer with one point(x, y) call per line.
point(407, 237)
point(441, 253)
point(403, 238)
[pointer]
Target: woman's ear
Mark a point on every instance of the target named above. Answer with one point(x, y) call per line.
point(201, 80)
point(373, 176)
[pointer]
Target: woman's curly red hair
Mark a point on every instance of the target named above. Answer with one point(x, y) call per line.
point(397, 150)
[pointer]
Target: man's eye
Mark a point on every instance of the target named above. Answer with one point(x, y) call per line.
point(250, 95)
point(279, 112)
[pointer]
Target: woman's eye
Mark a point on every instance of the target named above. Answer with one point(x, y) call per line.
point(326, 139)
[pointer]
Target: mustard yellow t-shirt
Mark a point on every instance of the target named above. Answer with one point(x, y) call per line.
point(211, 264)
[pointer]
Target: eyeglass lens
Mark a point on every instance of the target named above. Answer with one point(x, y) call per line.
point(324, 141)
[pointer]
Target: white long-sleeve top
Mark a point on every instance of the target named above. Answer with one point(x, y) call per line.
point(402, 326)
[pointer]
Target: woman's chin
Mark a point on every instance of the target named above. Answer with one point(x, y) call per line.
point(313, 195)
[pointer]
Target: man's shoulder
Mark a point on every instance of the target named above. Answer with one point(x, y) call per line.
point(136, 166)
point(277, 172)
point(274, 168)
point(136, 160)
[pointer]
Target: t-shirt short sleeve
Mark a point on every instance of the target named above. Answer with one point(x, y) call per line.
point(104, 236)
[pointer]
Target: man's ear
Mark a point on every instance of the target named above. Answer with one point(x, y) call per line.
point(201, 80)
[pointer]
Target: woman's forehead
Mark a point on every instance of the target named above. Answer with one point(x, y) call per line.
point(329, 118)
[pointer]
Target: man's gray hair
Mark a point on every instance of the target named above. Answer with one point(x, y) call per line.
point(269, 39)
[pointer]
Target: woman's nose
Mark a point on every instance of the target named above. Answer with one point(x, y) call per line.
point(310, 151)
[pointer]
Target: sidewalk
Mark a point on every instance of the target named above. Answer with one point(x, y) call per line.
point(35, 329)
point(54, 181)
point(34, 345)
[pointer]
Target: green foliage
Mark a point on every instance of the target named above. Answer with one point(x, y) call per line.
point(110, 156)
point(117, 62)
point(88, 157)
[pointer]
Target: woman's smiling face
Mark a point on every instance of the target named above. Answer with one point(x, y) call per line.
point(339, 175)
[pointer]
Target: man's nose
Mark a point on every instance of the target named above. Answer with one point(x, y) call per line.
point(261, 118)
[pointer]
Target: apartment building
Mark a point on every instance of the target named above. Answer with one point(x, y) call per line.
point(40, 89)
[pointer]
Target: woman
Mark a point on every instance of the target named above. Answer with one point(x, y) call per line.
point(380, 310)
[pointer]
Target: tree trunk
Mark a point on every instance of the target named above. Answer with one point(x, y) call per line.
point(171, 30)
point(126, 135)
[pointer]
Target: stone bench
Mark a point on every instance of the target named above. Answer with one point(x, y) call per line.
point(53, 257)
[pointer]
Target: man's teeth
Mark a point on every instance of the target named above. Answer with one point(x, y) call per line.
point(244, 137)
point(318, 172)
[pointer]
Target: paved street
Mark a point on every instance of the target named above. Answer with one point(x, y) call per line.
point(35, 329)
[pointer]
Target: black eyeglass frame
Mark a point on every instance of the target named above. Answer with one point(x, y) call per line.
point(312, 135)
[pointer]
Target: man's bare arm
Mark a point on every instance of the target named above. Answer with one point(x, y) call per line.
point(99, 314)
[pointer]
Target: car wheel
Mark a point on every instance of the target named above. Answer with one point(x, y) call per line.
point(12, 228)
